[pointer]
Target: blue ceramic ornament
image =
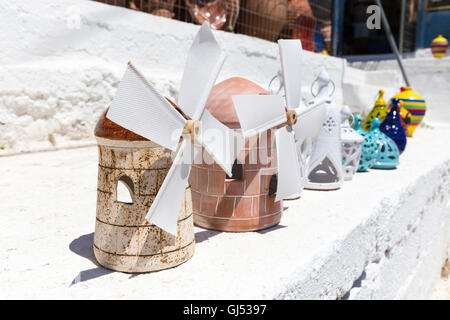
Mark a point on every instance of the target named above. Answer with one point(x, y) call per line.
point(357, 122)
point(392, 126)
point(369, 146)
point(387, 155)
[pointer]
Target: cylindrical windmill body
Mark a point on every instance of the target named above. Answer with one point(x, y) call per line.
point(124, 240)
point(244, 201)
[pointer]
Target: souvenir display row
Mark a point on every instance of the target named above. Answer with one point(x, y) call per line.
point(225, 156)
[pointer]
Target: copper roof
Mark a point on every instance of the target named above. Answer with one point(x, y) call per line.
point(220, 104)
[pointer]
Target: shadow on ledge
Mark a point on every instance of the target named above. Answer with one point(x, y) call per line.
point(205, 235)
point(274, 228)
point(82, 246)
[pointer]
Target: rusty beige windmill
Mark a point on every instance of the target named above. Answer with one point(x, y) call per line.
point(273, 112)
point(139, 108)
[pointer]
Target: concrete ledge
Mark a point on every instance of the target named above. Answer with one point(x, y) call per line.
point(383, 235)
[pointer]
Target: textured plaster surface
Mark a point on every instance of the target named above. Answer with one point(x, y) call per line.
point(63, 59)
point(383, 235)
point(428, 76)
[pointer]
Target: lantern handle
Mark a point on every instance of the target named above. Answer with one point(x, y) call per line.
point(271, 81)
point(312, 85)
point(353, 120)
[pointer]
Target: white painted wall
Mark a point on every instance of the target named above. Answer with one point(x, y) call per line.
point(62, 60)
point(428, 76)
point(57, 78)
point(360, 87)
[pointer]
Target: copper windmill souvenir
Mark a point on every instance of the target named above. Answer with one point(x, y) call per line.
point(267, 169)
point(244, 200)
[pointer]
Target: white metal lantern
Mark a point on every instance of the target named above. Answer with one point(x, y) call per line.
point(310, 115)
point(351, 145)
point(324, 167)
point(309, 127)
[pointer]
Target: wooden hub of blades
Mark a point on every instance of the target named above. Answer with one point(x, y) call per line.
point(193, 129)
point(291, 117)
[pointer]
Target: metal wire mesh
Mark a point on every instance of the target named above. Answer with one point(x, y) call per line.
point(308, 20)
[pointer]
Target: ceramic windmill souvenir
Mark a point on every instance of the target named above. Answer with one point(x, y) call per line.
point(324, 168)
point(244, 200)
point(416, 106)
point(388, 153)
point(351, 145)
point(272, 114)
point(369, 147)
point(392, 126)
point(379, 111)
point(156, 232)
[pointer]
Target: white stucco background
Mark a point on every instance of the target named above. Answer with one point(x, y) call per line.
point(62, 60)
point(428, 76)
point(383, 235)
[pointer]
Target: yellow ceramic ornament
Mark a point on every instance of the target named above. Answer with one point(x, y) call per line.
point(439, 46)
point(379, 111)
point(415, 105)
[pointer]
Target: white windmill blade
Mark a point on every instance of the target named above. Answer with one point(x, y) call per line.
point(138, 107)
point(289, 176)
point(314, 106)
point(167, 204)
point(258, 113)
point(205, 59)
point(301, 108)
point(290, 56)
point(222, 143)
point(310, 119)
